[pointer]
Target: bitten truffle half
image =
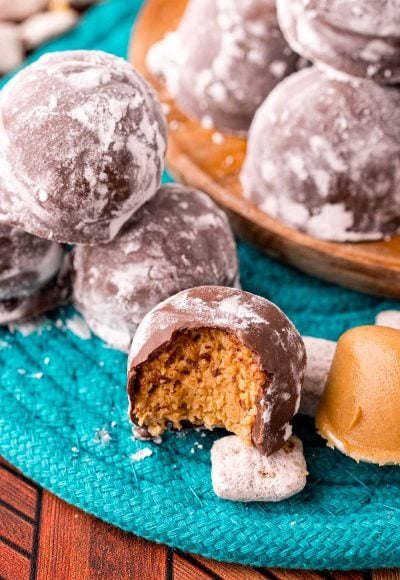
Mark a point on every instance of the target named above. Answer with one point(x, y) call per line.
point(178, 240)
point(217, 357)
point(33, 276)
point(82, 146)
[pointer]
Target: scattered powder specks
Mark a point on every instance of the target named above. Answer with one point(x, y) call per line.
point(46, 360)
point(141, 454)
point(38, 375)
point(102, 436)
point(74, 450)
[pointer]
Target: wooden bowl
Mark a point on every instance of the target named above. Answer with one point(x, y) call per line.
point(197, 158)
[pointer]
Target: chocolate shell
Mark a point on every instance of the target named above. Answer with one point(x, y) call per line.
point(33, 275)
point(357, 37)
point(210, 78)
point(258, 324)
point(178, 240)
point(82, 145)
point(324, 156)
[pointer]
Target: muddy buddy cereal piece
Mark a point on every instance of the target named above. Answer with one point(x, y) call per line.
point(244, 48)
point(359, 413)
point(217, 357)
point(32, 275)
point(242, 473)
point(319, 359)
point(11, 47)
point(82, 144)
point(324, 157)
point(358, 37)
point(178, 240)
point(44, 26)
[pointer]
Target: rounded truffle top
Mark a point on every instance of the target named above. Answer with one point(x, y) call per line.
point(370, 17)
point(178, 240)
point(359, 410)
point(244, 47)
point(27, 263)
point(358, 37)
point(324, 156)
point(82, 145)
point(257, 323)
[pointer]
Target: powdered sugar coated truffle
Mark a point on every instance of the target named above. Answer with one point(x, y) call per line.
point(359, 37)
point(324, 156)
point(221, 49)
point(82, 144)
point(241, 473)
point(32, 276)
point(178, 240)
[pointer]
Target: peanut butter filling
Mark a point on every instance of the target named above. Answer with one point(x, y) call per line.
point(203, 376)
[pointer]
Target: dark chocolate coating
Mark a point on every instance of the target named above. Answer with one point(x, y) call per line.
point(258, 324)
point(358, 37)
point(224, 60)
point(33, 275)
point(324, 156)
point(178, 240)
point(82, 144)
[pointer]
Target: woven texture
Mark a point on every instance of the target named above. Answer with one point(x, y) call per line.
point(63, 422)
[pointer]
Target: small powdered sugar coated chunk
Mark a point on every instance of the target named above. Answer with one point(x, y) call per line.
point(20, 9)
point(223, 81)
point(319, 359)
point(44, 26)
point(390, 318)
point(78, 326)
point(98, 135)
point(241, 473)
point(141, 454)
point(11, 47)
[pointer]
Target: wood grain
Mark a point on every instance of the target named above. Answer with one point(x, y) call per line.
point(92, 548)
point(195, 159)
point(47, 539)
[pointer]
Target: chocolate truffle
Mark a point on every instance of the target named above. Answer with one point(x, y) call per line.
point(32, 275)
point(217, 357)
point(82, 144)
point(358, 37)
point(359, 413)
point(324, 157)
point(178, 240)
point(223, 60)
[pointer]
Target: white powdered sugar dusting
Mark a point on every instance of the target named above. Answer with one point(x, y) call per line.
point(245, 48)
point(320, 161)
point(178, 240)
point(102, 116)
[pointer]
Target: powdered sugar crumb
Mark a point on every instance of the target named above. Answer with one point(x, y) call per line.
point(141, 454)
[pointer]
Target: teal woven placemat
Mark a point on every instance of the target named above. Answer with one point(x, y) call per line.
point(63, 422)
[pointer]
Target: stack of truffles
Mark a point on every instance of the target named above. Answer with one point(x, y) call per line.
point(324, 148)
point(82, 146)
point(324, 145)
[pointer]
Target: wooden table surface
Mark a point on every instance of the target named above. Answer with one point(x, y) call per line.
point(43, 538)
